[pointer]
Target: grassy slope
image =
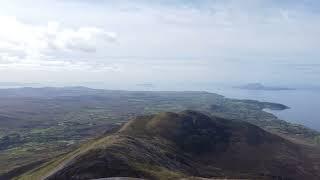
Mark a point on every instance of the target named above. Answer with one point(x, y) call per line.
point(55, 164)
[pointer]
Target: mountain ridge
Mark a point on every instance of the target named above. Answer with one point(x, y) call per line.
point(187, 144)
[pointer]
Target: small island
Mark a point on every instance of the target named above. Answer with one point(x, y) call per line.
point(146, 85)
point(259, 86)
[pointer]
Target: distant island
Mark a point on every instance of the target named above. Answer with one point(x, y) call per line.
point(259, 86)
point(148, 85)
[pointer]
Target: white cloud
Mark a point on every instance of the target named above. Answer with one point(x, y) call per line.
point(83, 39)
point(22, 43)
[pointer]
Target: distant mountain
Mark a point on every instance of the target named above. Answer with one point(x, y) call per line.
point(183, 145)
point(258, 86)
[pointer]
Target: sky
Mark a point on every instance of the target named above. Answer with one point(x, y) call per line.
point(165, 41)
